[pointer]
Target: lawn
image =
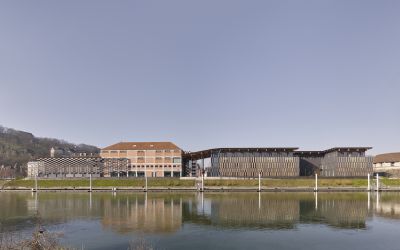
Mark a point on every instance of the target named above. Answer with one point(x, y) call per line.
point(167, 182)
point(2, 182)
point(290, 183)
point(174, 182)
point(390, 182)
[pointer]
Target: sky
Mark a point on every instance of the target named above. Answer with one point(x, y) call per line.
point(204, 74)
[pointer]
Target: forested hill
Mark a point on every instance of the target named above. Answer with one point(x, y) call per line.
point(19, 147)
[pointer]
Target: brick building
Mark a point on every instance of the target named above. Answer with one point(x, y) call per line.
point(153, 159)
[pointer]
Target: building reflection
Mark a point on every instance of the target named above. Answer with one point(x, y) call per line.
point(339, 210)
point(159, 213)
point(146, 213)
point(388, 205)
point(247, 210)
point(282, 210)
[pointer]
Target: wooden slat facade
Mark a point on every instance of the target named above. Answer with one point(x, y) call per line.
point(250, 164)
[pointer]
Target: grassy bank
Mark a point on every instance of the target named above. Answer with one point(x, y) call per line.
point(290, 183)
point(390, 182)
point(172, 182)
point(2, 182)
point(168, 182)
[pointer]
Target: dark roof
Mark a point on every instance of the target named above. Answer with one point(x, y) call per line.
point(207, 153)
point(322, 152)
point(349, 149)
point(389, 157)
point(309, 153)
point(143, 146)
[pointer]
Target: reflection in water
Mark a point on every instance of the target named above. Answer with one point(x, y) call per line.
point(143, 212)
point(157, 213)
point(388, 205)
point(377, 201)
point(283, 210)
point(369, 201)
point(253, 210)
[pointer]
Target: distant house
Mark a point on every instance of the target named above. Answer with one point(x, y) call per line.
point(387, 164)
point(7, 172)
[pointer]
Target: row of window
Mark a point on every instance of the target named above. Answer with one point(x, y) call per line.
point(139, 151)
point(155, 166)
point(174, 160)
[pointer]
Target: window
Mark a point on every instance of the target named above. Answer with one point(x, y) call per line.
point(123, 151)
point(104, 152)
point(176, 160)
point(113, 152)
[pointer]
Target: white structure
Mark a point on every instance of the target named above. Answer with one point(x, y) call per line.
point(32, 170)
point(387, 164)
point(52, 152)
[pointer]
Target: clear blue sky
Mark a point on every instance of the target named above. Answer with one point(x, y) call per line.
point(312, 74)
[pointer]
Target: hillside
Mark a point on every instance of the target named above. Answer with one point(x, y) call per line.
point(19, 147)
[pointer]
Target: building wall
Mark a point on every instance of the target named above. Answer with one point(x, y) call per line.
point(32, 169)
point(66, 167)
point(387, 164)
point(389, 169)
point(346, 164)
point(310, 165)
point(116, 167)
point(250, 164)
point(152, 163)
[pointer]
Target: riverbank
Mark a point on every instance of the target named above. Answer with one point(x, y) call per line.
point(212, 185)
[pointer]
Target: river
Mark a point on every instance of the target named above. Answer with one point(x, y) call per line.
point(253, 220)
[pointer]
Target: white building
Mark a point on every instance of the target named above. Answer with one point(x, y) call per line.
point(387, 164)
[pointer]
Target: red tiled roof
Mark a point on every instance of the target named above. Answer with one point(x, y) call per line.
point(389, 157)
point(143, 146)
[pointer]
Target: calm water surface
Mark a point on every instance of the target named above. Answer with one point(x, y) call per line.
point(210, 220)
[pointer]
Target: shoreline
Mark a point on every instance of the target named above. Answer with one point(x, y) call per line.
point(206, 189)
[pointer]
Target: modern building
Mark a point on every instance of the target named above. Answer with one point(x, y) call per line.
point(339, 161)
point(387, 164)
point(165, 159)
point(282, 162)
point(82, 165)
point(248, 162)
point(65, 167)
point(151, 159)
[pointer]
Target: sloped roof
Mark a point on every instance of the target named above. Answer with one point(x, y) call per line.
point(362, 149)
point(389, 157)
point(143, 146)
point(207, 153)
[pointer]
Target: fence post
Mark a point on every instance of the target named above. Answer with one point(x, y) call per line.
point(145, 176)
point(377, 182)
point(36, 183)
point(90, 182)
point(202, 182)
point(316, 183)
